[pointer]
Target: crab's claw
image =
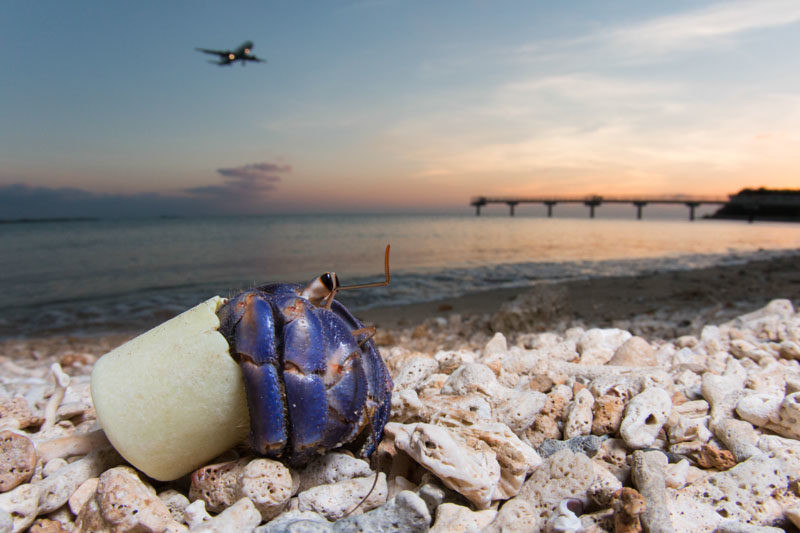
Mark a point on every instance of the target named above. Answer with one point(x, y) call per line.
point(248, 323)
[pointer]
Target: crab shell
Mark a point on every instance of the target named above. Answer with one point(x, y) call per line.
point(313, 379)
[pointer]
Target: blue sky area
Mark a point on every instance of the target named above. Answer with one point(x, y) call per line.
point(107, 108)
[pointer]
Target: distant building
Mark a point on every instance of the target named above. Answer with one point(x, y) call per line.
point(762, 204)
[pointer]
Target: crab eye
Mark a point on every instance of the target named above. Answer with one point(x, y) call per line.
point(330, 281)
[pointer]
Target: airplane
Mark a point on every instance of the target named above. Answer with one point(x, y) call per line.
point(226, 57)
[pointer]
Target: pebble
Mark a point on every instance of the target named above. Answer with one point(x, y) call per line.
point(648, 474)
point(122, 502)
point(241, 516)
point(601, 492)
point(644, 416)
point(520, 410)
point(579, 415)
point(598, 346)
point(405, 513)
point(296, 522)
point(414, 372)
point(217, 484)
point(195, 514)
point(635, 351)
point(82, 494)
point(57, 488)
point(588, 445)
point(332, 468)
point(268, 484)
point(453, 518)
point(711, 457)
point(335, 500)
point(21, 504)
point(628, 507)
point(17, 460)
point(512, 431)
point(607, 416)
point(46, 525)
point(562, 475)
point(16, 413)
point(176, 502)
point(472, 471)
point(733, 526)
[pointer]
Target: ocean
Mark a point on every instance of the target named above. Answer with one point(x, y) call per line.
point(126, 275)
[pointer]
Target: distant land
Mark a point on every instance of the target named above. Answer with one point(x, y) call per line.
point(781, 205)
point(53, 219)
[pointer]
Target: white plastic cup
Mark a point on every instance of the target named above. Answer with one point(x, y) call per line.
point(172, 399)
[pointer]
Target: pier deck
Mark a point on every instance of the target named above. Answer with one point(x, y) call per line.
point(594, 201)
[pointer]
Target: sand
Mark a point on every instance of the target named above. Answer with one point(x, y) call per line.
point(718, 293)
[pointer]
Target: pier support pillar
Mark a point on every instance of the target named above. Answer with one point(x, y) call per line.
point(511, 206)
point(591, 204)
point(478, 202)
point(639, 206)
point(550, 208)
point(692, 206)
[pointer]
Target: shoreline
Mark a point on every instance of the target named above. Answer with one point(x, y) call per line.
point(723, 291)
point(660, 300)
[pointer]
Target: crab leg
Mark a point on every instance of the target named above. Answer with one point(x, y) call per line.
point(369, 331)
point(254, 343)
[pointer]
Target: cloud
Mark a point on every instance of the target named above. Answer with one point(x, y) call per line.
point(586, 131)
point(701, 26)
point(714, 25)
point(246, 181)
point(255, 171)
point(243, 191)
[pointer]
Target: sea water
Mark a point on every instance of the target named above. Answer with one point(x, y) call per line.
point(100, 276)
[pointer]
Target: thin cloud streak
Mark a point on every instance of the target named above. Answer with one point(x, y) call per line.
point(716, 25)
point(245, 182)
point(703, 26)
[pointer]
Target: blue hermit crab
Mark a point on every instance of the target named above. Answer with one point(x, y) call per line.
point(313, 378)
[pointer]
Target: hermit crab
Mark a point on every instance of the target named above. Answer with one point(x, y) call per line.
point(284, 362)
point(313, 378)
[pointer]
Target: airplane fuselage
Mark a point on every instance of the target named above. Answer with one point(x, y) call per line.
point(227, 57)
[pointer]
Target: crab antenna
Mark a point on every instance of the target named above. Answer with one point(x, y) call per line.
point(376, 283)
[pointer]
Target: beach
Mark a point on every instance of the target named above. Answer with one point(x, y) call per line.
point(675, 299)
point(673, 302)
point(578, 358)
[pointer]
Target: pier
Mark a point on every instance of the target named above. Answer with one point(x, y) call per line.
point(594, 201)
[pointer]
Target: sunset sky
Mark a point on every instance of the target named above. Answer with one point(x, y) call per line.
point(384, 105)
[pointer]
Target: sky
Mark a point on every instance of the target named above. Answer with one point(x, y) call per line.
point(107, 109)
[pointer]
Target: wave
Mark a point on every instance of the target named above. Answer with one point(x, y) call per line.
point(134, 311)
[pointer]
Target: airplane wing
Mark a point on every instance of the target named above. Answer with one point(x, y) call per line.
point(254, 58)
point(221, 53)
